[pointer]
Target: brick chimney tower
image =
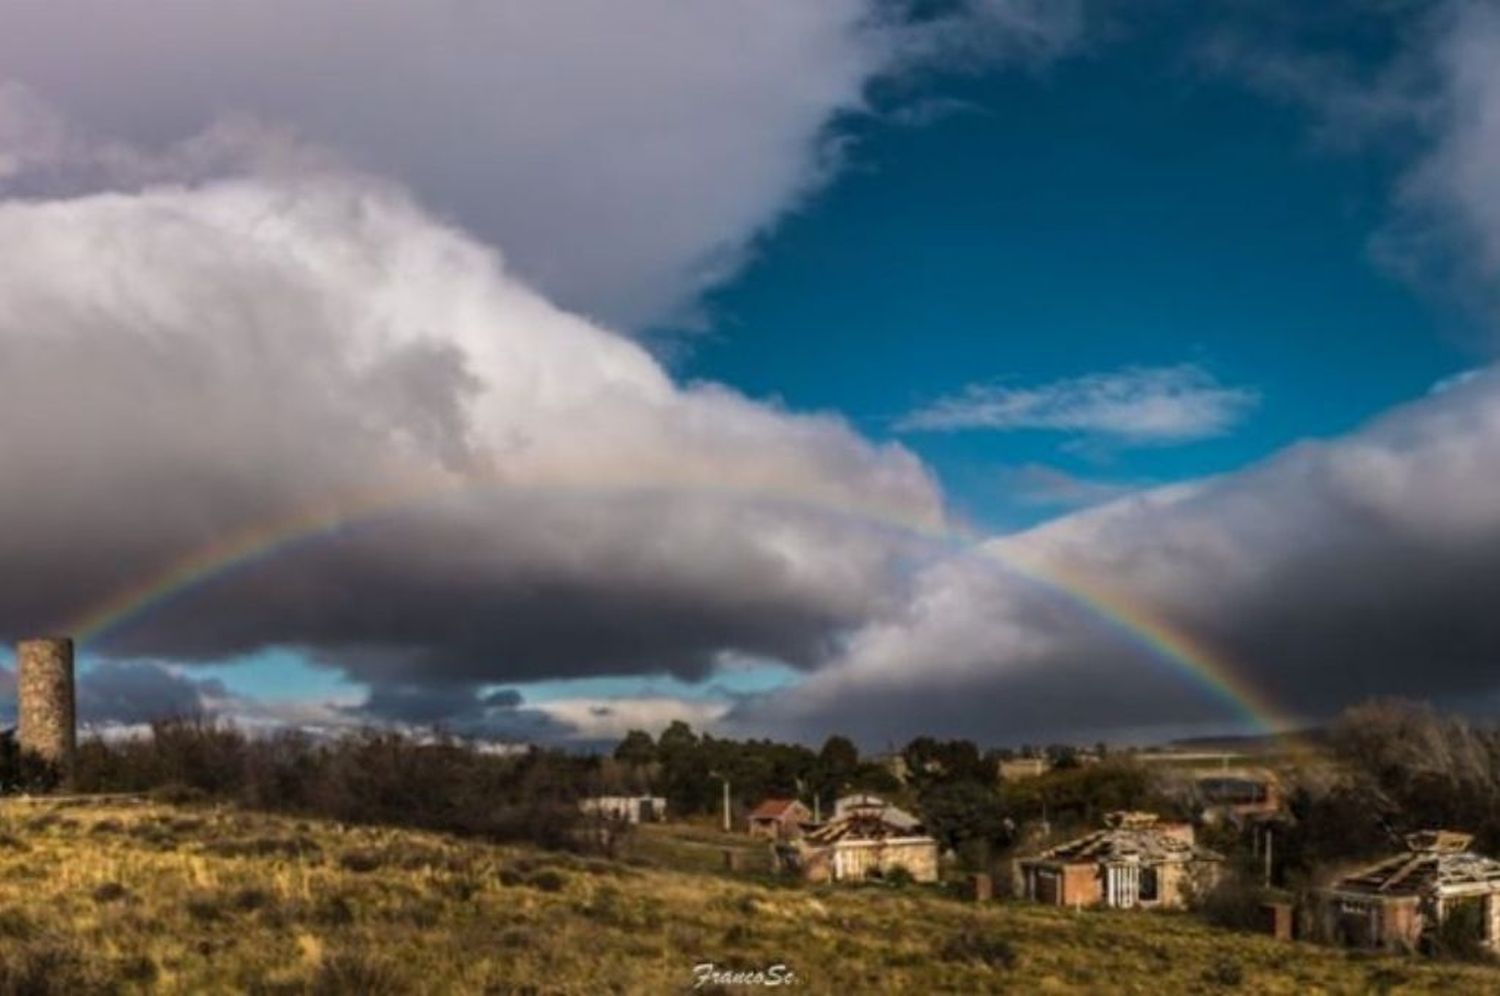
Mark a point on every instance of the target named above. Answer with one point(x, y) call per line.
point(45, 711)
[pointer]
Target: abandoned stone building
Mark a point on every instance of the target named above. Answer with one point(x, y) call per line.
point(1136, 860)
point(861, 845)
point(779, 819)
point(629, 808)
point(1238, 796)
point(1393, 903)
point(1016, 769)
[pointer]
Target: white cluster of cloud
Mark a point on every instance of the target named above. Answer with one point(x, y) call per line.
point(1450, 201)
point(625, 155)
point(1137, 405)
point(1431, 85)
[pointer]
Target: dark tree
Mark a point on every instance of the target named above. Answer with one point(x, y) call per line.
point(637, 749)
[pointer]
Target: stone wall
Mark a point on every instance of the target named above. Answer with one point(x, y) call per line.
point(855, 861)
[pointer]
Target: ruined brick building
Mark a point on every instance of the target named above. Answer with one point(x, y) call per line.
point(1136, 860)
point(1393, 903)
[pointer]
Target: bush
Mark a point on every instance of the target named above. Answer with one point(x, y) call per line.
point(109, 892)
point(1234, 902)
point(356, 973)
point(899, 876)
point(364, 777)
point(1225, 972)
point(360, 861)
point(48, 969)
point(23, 771)
point(972, 944)
point(1460, 936)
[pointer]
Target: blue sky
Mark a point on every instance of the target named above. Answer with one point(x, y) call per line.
point(1121, 208)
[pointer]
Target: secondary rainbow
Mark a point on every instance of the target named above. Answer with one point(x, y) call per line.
point(1208, 669)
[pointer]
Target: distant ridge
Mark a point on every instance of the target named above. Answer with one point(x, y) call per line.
point(1249, 743)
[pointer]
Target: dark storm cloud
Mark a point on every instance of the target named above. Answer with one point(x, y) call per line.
point(128, 693)
point(459, 709)
point(131, 692)
point(1331, 572)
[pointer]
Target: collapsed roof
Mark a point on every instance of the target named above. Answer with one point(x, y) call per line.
point(1436, 861)
point(1131, 837)
point(864, 825)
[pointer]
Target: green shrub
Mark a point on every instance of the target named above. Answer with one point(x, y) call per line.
point(1460, 936)
point(360, 861)
point(364, 777)
point(49, 969)
point(1234, 902)
point(1224, 972)
point(357, 973)
point(109, 892)
point(973, 944)
point(899, 876)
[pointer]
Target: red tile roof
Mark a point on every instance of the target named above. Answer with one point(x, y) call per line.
point(772, 809)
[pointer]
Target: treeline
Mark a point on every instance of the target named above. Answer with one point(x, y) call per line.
point(690, 769)
point(366, 776)
point(1384, 769)
point(951, 785)
point(442, 783)
point(1395, 767)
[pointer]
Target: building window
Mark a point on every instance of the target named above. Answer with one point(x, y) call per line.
point(1148, 885)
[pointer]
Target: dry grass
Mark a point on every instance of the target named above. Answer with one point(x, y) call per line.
point(138, 897)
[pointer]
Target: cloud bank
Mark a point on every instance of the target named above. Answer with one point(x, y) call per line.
point(626, 155)
point(1329, 573)
point(524, 494)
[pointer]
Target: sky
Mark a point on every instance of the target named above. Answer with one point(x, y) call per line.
point(1012, 369)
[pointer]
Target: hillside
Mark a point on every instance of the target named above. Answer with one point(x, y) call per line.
point(122, 896)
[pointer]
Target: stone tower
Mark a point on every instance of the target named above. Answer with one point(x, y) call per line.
point(45, 720)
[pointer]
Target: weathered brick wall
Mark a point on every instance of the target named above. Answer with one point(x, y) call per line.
point(1082, 885)
point(44, 700)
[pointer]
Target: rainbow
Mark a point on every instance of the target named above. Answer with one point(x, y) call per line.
point(1138, 624)
point(1167, 641)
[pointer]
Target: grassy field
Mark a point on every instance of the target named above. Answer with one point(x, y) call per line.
point(135, 897)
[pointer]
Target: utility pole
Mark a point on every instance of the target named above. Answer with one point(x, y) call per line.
point(725, 779)
point(1268, 855)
